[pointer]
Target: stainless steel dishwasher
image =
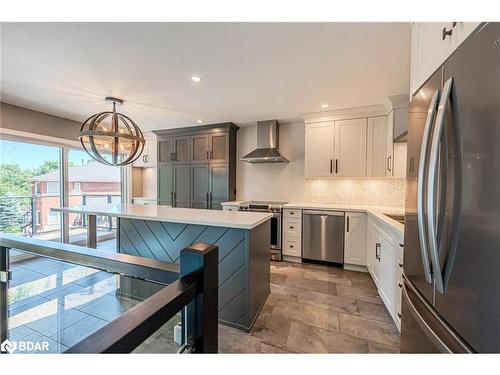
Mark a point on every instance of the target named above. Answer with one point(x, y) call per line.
point(323, 236)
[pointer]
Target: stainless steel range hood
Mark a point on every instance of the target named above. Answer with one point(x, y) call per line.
point(267, 150)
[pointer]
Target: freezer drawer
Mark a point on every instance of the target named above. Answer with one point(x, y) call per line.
point(323, 236)
point(423, 330)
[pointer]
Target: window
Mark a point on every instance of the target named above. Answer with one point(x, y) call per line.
point(29, 188)
point(77, 188)
point(52, 187)
point(53, 218)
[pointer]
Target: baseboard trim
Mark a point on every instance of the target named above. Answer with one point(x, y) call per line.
point(355, 267)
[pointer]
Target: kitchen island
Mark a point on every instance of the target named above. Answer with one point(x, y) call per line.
point(160, 232)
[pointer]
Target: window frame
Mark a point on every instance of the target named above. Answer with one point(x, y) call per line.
point(57, 190)
point(64, 146)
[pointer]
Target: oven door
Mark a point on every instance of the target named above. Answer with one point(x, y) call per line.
point(276, 231)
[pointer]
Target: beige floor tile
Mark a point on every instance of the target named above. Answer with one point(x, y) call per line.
point(372, 330)
point(307, 314)
point(315, 285)
point(232, 340)
point(373, 311)
point(375, 347)
point(273, 328)
point(336, 303)
point(362, 294)
point(324, 275)
point(310, 339)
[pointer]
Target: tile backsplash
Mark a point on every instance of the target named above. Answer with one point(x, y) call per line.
point(388, 192)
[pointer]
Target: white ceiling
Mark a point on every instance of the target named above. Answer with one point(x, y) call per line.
point(251, 71)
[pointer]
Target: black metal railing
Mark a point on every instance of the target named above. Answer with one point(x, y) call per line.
point(191, 287)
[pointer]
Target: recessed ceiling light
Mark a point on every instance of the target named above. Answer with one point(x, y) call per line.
point(196, 78)
point(199, 121)
point(324, 105)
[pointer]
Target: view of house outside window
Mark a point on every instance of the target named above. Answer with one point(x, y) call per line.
point(30, 187)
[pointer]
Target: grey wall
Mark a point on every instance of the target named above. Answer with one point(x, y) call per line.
point(26, 120)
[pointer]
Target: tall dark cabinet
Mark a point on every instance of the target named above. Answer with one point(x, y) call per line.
point(197, 166)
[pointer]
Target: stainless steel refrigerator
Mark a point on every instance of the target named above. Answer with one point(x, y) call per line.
point(451, 293)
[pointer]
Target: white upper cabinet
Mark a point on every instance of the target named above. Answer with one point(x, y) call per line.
point(431, 44)
point(350, 148)
point(378, 162)
point(149, 155)
point(319, 149)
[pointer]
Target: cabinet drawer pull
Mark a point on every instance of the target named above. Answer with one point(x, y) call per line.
point(401, 245)
point(291, 227)
point(447, 32)
point(400, 265)
point(400, 285)
point(399, 315)
point(336, 166)
point(291, 246)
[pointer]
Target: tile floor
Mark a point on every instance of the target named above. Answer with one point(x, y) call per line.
point(62, 303)
point(311, 309)
point(317, 309)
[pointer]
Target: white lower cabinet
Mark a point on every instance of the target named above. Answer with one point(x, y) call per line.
point(384, 262)
point(292, 235)
point(355, 238)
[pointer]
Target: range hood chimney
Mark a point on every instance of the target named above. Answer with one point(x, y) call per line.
point(267, 150)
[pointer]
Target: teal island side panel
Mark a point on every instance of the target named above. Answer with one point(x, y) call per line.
point(164, 241)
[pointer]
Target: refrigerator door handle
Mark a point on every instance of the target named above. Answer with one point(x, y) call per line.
point(422, 179)
point(441, 278)
point(433, 187)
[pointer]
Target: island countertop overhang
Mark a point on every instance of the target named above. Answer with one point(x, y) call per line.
point(230, 219)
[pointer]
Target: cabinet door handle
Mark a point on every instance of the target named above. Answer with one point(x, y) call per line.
point(399, 315)
point(347, 217)
point(208, 155)
point(389, 160)
point(448, 32)
point(147, 158)
point(331, 166)
point(336, 166)
point(400, 285)
point(400, 265)
point(208, 200)
point(377, 251)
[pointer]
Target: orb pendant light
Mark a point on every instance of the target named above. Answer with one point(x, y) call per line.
point(111, 137)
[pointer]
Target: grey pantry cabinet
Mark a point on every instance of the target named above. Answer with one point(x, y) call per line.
point(197, 166)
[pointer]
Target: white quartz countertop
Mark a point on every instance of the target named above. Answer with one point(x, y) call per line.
point(231, 219)
point(375, 211)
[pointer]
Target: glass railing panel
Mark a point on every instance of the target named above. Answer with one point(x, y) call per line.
point(53, 305)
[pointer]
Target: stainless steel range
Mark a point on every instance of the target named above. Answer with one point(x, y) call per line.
point(276, 208)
